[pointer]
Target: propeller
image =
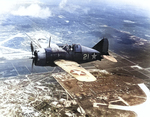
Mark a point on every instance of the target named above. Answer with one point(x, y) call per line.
point(34, 55)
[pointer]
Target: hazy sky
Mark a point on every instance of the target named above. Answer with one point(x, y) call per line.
point(133, 2)
point(142, 3)
point(6, 5)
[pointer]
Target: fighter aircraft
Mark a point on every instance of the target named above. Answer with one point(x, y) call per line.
point(68, 57)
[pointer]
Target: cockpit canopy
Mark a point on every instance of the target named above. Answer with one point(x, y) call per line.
point(79, 49)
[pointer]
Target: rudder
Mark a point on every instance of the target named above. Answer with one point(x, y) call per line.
point(102, 46)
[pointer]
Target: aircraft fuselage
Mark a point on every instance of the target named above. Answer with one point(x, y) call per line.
point(75, 52)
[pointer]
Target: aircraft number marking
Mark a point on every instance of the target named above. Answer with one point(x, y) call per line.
point(86, 56)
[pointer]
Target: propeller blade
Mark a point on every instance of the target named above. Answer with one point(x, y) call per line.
point(32, 48)
point(110, 58)
point(49, 42)
point(33, 63)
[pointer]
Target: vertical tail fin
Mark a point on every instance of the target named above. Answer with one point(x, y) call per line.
point(102, 46)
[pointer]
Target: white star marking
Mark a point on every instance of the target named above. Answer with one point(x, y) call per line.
point(94, 56)
point(78, 72)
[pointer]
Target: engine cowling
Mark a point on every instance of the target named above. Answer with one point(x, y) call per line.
point(40, 57)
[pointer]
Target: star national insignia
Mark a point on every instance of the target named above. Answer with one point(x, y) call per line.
point(77, 72)
point(94, 56)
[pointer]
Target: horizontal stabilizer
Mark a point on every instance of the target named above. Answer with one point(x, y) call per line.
point(110, 58)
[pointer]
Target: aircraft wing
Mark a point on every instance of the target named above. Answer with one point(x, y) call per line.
point(75, 70)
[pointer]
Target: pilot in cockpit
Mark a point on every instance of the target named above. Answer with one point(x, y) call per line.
point(67, 47)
